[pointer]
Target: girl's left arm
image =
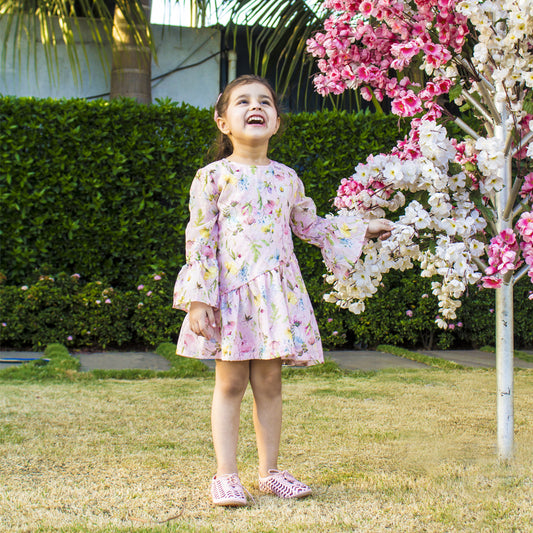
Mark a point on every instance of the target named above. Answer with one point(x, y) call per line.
point(341, 237)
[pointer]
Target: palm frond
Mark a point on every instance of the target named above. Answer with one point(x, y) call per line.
point(280, 29)
point(46, 23)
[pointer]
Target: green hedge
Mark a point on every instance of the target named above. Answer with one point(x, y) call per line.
point(99, 190)
point(96, 188)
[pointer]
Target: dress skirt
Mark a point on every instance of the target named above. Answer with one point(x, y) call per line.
point(270, 317)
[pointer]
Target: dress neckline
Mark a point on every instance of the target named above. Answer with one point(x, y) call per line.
point(246, 164)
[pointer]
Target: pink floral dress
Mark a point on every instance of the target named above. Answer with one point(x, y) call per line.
point(240, 260)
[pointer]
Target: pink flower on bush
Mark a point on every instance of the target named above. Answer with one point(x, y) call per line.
point(157, 277)
point(140, 287)
point(70, 338)
point(107, 301)
point(409, 313)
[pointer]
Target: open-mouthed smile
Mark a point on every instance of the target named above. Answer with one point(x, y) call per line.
point(255, 119)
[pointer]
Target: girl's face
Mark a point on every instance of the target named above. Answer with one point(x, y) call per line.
point(251, 116)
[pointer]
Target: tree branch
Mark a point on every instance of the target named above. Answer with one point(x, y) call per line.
point(466, 128)
point(481, 109)
point(484, 87)
point(512, 197)
point(520, 274)
point(522, 206)
point(526, 139)
point(482, 266)
point(508, 142)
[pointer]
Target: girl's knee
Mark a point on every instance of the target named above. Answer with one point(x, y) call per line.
point(232, 381)
point(232, 387)
point(266, 379)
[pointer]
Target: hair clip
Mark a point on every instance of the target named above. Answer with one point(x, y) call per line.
point(216, 115)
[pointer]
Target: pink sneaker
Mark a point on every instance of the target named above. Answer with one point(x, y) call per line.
point(227, 490)
point(283, 484)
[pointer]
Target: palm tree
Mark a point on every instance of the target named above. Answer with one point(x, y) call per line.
point(131, 59)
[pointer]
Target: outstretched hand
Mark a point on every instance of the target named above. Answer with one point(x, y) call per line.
point(202, 319)
point(379, 228)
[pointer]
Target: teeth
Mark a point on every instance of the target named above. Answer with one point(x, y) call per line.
point(255, 120)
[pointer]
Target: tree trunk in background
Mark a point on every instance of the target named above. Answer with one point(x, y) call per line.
point(131, 69)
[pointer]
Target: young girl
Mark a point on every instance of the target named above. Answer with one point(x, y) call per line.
point(246, 301)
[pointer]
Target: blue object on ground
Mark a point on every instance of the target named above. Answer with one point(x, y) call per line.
point(15, 360)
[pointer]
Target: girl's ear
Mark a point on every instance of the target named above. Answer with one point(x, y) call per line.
point(222, 125)
point(278, 122)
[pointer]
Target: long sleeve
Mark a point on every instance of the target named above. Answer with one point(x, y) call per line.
point(340, 238)
point(198, 279)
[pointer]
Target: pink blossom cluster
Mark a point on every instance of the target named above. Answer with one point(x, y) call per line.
point(527, 187)
point(351, 193)
point(363, 39)
point(525, 229)
point(504, 252)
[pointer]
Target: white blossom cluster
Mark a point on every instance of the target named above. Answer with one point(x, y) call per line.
point(437, 230)
point(503, 53)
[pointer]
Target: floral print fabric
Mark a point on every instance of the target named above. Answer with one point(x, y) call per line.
point(240, 260)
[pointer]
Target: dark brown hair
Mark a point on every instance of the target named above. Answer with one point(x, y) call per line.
point(222, 147)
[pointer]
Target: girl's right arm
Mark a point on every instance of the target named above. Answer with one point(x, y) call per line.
point(198, 279)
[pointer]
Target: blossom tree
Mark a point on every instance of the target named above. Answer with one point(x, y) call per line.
point(469, 218)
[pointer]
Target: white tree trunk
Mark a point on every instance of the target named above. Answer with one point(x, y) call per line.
point(504, 310)
point(504, 370)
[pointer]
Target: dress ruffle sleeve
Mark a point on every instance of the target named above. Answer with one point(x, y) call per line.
point(198, 279)
point(340, 238)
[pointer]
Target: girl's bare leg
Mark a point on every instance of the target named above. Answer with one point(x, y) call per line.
point(230, 384)
point(265, 378)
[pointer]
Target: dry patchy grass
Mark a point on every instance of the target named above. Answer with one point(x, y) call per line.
point(405, 451)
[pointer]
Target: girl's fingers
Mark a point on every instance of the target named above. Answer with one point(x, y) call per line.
point(210, 316)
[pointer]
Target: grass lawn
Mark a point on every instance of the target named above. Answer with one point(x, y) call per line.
point(401, 451)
